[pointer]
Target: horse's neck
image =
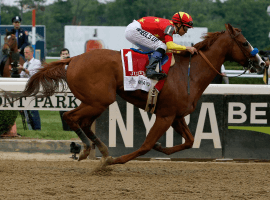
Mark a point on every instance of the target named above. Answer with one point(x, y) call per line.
point(204, 74)
point(15, 50)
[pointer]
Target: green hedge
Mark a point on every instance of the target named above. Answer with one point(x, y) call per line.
point(246, 81)
point(7, 119)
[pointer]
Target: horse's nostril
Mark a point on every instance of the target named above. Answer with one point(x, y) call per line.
point(262, 64)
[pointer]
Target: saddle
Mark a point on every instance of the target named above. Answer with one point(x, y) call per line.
point(134, 66)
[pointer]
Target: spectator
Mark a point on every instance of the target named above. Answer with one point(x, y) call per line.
point(265, 55)
point(218, 79)
point(29, 68)
point(64, 54)
point(21, 35)
point(267, 63)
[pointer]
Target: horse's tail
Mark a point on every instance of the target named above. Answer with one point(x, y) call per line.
point(52, 78)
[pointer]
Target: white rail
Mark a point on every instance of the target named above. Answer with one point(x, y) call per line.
point(49, 57)
point(234, 73)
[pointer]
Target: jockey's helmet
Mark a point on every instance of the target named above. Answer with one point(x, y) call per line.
point(183, 19)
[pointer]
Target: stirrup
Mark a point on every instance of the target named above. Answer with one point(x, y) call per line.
point(155, 75)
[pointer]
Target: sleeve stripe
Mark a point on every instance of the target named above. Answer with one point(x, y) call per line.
point(169, 30)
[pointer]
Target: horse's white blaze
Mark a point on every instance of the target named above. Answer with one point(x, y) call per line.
point(8, 36)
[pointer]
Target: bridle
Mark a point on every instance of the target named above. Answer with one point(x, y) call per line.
point(246, 53)
point(6, 43)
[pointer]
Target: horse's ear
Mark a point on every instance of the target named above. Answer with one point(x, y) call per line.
point(230, 28)
point(6, 30)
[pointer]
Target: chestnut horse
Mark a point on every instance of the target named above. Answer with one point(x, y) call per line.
point(96, 77)
point(10, 49)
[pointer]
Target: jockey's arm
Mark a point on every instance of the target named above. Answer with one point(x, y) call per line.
point(172, 46)
point(176, 47)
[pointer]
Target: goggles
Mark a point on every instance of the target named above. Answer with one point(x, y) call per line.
point(190, 23)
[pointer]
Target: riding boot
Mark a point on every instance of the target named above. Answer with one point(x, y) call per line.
point(151, 68)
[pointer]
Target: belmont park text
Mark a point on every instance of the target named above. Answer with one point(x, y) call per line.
point(54, 102)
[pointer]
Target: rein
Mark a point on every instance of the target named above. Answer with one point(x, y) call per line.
point(244, 51)
point(210, 64)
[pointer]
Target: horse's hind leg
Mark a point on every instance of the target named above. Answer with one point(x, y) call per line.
point(180, 127)
point(80, 120)
point(160, 126)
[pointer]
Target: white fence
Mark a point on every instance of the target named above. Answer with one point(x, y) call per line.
point(66, 100)
point(59, 101)
point(56, 58)
point(234, 73)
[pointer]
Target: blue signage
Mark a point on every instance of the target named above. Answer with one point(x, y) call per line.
point(40, 38)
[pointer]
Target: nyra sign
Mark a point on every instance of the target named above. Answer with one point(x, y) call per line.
point(124, 127)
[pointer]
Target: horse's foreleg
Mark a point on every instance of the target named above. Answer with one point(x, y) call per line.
point(180, 127)
point(160, 126)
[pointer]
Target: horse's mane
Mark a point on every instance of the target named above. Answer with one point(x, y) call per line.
point(209, 39)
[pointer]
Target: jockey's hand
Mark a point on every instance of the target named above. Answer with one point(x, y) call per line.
point(192, 50)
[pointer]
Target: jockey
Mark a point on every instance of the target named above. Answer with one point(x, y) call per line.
point(154, 33)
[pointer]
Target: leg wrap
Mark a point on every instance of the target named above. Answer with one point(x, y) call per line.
point(93, 137)
point(83, 137)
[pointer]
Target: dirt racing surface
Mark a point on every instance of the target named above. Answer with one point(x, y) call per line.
point(40, 176)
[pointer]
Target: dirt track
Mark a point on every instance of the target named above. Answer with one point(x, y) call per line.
point(39, 176)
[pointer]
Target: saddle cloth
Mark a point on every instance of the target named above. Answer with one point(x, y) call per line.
point(134, 67)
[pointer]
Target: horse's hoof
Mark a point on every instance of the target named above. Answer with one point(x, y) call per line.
point(106, 161)
point(84, 154)
point(157, 145)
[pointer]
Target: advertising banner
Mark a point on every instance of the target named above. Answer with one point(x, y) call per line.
point(79, 38)
point(223, 126)
point(62, 101)
point(247, 128)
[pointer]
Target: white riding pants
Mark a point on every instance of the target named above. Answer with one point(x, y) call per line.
point(143, 39)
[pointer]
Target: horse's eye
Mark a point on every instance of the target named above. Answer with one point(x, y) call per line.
point(245, 44)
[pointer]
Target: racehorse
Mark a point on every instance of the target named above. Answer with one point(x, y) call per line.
point(96, 77)
point(10, 49)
